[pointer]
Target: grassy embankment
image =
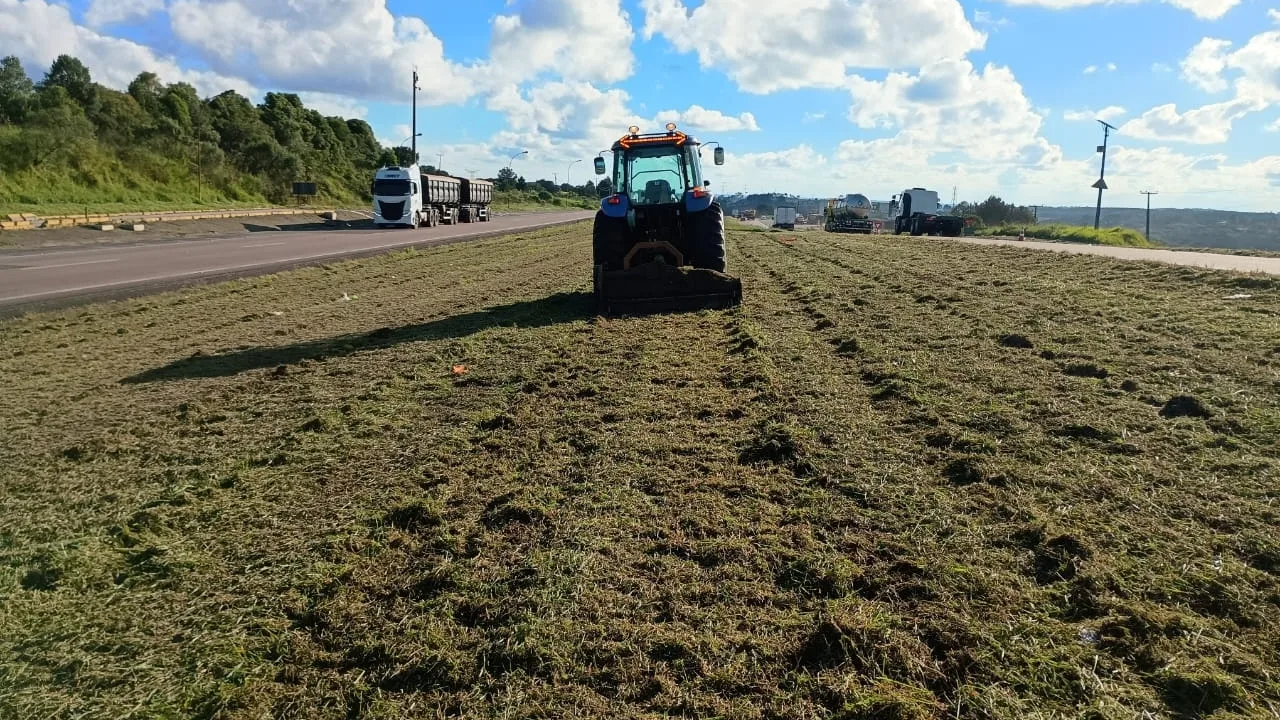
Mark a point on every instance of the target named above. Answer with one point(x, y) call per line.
point(1119, 237)
point(907, 480)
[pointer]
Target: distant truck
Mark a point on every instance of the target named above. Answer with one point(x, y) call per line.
point(918, 214)
point(849, 214)
point(400, 200)
point(785, 218)
point(476, 198)
point(442, 198)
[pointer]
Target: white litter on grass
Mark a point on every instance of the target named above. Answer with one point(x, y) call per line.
point(1089, 637)
point(276, 313)
point(1238, 296)
point(348, 298)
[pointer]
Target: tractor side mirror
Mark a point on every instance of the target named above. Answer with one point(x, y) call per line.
point(599, 166)
point(706, 183)
point(719, 155)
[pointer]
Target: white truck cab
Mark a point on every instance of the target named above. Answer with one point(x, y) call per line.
point(397, 197)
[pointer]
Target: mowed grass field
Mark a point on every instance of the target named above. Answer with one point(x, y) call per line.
point(907, 479)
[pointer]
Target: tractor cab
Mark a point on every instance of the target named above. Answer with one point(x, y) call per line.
point(659, 168)
point(661, 213)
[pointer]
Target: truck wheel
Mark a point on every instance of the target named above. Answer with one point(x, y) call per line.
point(608, 242)
point(915, 227)
point(706, 229)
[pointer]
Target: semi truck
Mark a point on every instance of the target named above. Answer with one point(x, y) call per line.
point(476, 198)
point(398, 198)
point(784, 217)
point(918, 214)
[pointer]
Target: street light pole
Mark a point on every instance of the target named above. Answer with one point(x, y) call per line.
point(1102, 183)
point(414, 137)
point(414, 128)
point(566, 172)
point(1149, 193)
point(513, 159)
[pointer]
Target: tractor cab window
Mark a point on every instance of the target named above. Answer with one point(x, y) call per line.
point(653, 175)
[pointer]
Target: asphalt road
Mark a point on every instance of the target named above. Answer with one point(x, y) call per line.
point(1214, 261)
point(61, 277)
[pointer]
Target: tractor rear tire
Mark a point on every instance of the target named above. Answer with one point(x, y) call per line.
point(608, 241)
point(706, 230)
point(597, 289)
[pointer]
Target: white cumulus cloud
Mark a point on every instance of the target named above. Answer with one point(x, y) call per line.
point(1204, 125)
point(1204, 9)
point(1256, 66)
point(355, 48)
point(700, 118)
point(334, 105)
point(37, 32)
point(1090, 69)
point(1107, 114)
point(951, 106)
point(1203, 66)
point(765, 46)
point(586, 40)
point(107, 12)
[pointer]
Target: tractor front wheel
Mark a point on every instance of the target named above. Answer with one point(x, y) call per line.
point(706, 231)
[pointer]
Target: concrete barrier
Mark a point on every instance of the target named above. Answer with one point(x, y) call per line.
point(27, 221)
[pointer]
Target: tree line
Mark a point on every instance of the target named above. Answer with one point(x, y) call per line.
point(68, 138)
point(994, 211)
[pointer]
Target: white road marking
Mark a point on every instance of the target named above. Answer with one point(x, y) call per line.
point(73, 264)
point(270, 244)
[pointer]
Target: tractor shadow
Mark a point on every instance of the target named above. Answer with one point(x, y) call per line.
point(552, 310)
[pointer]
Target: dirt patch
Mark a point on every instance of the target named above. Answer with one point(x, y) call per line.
point(1184, 406)
point(1016, 341)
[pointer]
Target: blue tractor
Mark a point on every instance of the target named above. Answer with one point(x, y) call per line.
point(658, 240)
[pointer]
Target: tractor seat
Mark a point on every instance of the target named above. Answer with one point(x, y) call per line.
point(657, 192)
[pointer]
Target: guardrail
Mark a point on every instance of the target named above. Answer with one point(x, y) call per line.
point(30, 221)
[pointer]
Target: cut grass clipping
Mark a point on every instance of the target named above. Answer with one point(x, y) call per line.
point(903, 480)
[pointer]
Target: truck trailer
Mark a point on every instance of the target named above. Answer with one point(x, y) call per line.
point(442, 195)
point(477, 195)
point(784, 217)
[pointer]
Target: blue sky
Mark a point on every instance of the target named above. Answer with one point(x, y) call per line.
point(814, 97)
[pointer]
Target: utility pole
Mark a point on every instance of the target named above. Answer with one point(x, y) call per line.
point(415, 116)
point(1035, 213)
point(566, 171)
point(439, 161)
point(1149, 193)
point(1102, 183)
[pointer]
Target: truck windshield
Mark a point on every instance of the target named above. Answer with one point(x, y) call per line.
point(385, 188)
point(653, 176)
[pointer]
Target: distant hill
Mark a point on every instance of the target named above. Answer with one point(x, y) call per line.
point(1185, 228)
